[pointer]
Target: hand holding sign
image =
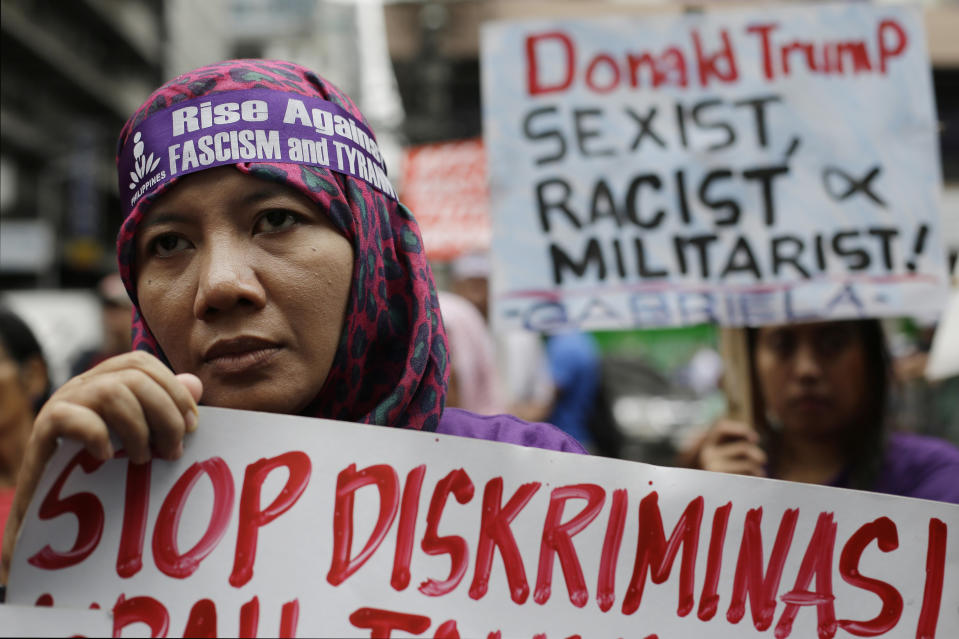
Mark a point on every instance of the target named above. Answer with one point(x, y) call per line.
point(132, 397)
point(338, 529)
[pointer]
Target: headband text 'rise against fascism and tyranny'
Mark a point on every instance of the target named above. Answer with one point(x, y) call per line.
point(252, 125)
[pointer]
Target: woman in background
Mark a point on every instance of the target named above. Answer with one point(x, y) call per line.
point(261, 281)
point(24, 386)
point(821, 400)
point(474, 381)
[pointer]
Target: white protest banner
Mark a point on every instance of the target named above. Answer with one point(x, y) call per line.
point(744, 167)
point(41, 621)
point(444, 185)
point(277, 525)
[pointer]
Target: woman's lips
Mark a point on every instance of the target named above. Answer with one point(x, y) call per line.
point(811, 403)
point(239, 355)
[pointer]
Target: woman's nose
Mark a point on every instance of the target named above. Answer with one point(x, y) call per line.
point(227, 279)
point(807, 364)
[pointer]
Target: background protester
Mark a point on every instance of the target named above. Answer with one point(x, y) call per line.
point(822, 393)
point(24, 385)
point(474, 381)
point(115, 310)
point(524, 368)
point(574, 364)
point(263, 285)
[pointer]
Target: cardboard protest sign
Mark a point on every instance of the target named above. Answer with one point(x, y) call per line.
point(745, 167)
point(41, 621)
point(445, 186)
point(277, 525)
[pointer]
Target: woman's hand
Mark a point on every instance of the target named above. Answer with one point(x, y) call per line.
point(133, 396)
point(731, 447)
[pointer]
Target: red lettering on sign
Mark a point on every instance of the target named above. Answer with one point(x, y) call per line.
point(252, 518)
point(407, 528)
point(935, 573)
point(347, 483)
point(606, 581)
point(459, 484)
point(898, 46)
point(607, 61)
point(447, 630)
point(289, 618)
point(165, 552)
point(44, 600)
point(709, 600)
point(86, 507)
point(762, 587)
point(135, 507)
point(655, 555)
point(557, 540)
point(250, 617)
point(763, 29)
point(495, 529)
point(202, 620)
point(818, 561)
point(381, 623)
point(140, 610)
point(671, 63)
point(883, 530)
point(709, 64)
point(532, 69)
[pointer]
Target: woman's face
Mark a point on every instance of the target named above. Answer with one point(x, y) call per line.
point(13, 399)
point(20, 387)
point(244, 283)
point(812, 376)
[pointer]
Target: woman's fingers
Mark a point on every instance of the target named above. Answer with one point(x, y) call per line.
point(181, 388)
point(732, 447)
point(743, 467)
point(146, 418)
point(193, 384)
point(728, 429)
point(71, 421)
point(133, 396)
point(743, 450)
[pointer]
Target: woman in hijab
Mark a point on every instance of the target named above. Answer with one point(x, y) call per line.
point(271, 268)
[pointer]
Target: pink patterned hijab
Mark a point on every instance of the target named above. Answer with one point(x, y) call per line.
point(390, 367)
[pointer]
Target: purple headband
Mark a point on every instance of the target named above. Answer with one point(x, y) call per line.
point(249, 125)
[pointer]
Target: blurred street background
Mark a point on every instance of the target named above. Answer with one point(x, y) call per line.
point(73, 71)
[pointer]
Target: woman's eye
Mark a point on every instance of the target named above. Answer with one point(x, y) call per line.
point(782, 343)
point(167, 244)
point(834, 341)
point(275, 220)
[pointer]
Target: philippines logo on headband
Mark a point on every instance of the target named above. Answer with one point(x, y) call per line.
point(254, 125)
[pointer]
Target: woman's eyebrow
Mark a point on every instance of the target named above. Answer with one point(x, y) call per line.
point(165, 218)
point(263, 194)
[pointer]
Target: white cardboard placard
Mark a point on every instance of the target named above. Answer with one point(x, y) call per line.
point(747, 167)
point(499, 539)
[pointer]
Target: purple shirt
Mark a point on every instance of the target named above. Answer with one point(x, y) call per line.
point(917, 466)
point(506, 428)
